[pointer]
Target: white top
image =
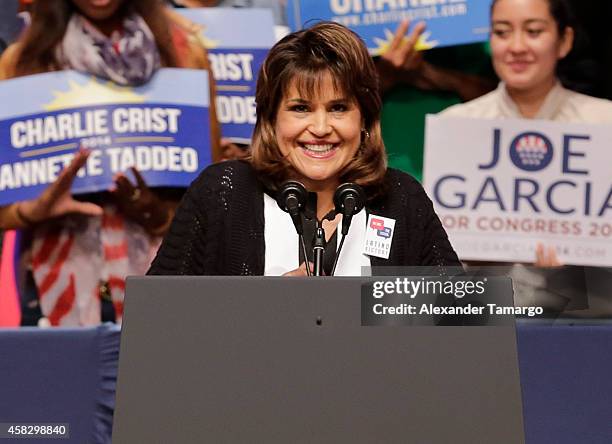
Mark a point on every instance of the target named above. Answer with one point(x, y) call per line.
point(561, 105)
point(282, 243)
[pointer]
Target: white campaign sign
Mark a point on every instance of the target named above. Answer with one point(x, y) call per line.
point(502, 186)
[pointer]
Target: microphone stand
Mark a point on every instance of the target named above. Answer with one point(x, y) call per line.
point(349, 207)
point(294, 211)
point(338, 254)
point(308, 272)
point(318, 250)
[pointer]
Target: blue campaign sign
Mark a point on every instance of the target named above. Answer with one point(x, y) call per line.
point(237, 41)
point(161, 128)
point(449, 22)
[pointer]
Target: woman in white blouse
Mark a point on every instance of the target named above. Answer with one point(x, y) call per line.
point(528, 39)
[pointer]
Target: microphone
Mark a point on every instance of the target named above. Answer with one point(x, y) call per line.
point(291, 198)
point(349, 200)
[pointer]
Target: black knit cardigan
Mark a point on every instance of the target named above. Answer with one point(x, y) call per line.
point(219, 226)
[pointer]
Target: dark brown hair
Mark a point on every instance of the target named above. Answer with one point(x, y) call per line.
point(560, 11)
point(306, 57)
point(49, 22)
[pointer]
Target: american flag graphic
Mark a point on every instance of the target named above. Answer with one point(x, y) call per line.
point(72, 265)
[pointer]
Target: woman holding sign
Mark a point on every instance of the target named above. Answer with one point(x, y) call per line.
point(529, 38)
point(318, 122)
point(81, 251)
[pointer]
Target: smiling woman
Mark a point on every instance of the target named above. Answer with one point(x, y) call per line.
point(319, 135)
point(529, 39)
point(318, 122)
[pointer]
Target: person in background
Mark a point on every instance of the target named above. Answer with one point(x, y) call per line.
point(529, 39)
point(416, 83)
point(318, 122)
point(231, 150)
point(80, 251)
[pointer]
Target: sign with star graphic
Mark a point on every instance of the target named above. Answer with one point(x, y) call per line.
point(448, 22)
point(161, 129)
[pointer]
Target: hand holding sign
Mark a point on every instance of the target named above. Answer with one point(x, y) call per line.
point(401, 61)
point(546, 257)
point(140, 204)
point(56, 200)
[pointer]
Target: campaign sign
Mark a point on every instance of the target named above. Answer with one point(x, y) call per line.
point(237, 41)
point(161, 128)
point(501, 187)
point(449, 22)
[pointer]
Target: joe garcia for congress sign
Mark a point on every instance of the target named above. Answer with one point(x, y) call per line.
point(502, 186)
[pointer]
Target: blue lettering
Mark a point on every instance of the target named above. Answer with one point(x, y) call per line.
point(587, 199)
point(489, 183)
point(567, 154)
point(496, 145)
point(550, 192)
point(438, 198)
point(518, 193)
point(607, 203)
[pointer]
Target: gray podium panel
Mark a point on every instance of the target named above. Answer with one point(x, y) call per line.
point(286, 360)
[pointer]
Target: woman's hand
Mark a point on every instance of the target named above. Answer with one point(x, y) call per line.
point(56, 199)
point(140, 204)
point(546, 257)
point(401, 61)
point(301, 271)
point(403, 64)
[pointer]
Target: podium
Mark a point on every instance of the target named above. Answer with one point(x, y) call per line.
point(261, 359)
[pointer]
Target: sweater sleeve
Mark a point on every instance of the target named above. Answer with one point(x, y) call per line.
point(184, 248)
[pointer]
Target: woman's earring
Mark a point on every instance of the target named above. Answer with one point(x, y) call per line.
point(365, 135)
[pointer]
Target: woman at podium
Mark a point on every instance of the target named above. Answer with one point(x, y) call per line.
point(318, 123)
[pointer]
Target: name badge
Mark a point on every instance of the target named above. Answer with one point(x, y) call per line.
point(379, 235)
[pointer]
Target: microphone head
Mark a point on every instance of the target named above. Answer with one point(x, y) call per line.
point(349, 199)
point(291, 194)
